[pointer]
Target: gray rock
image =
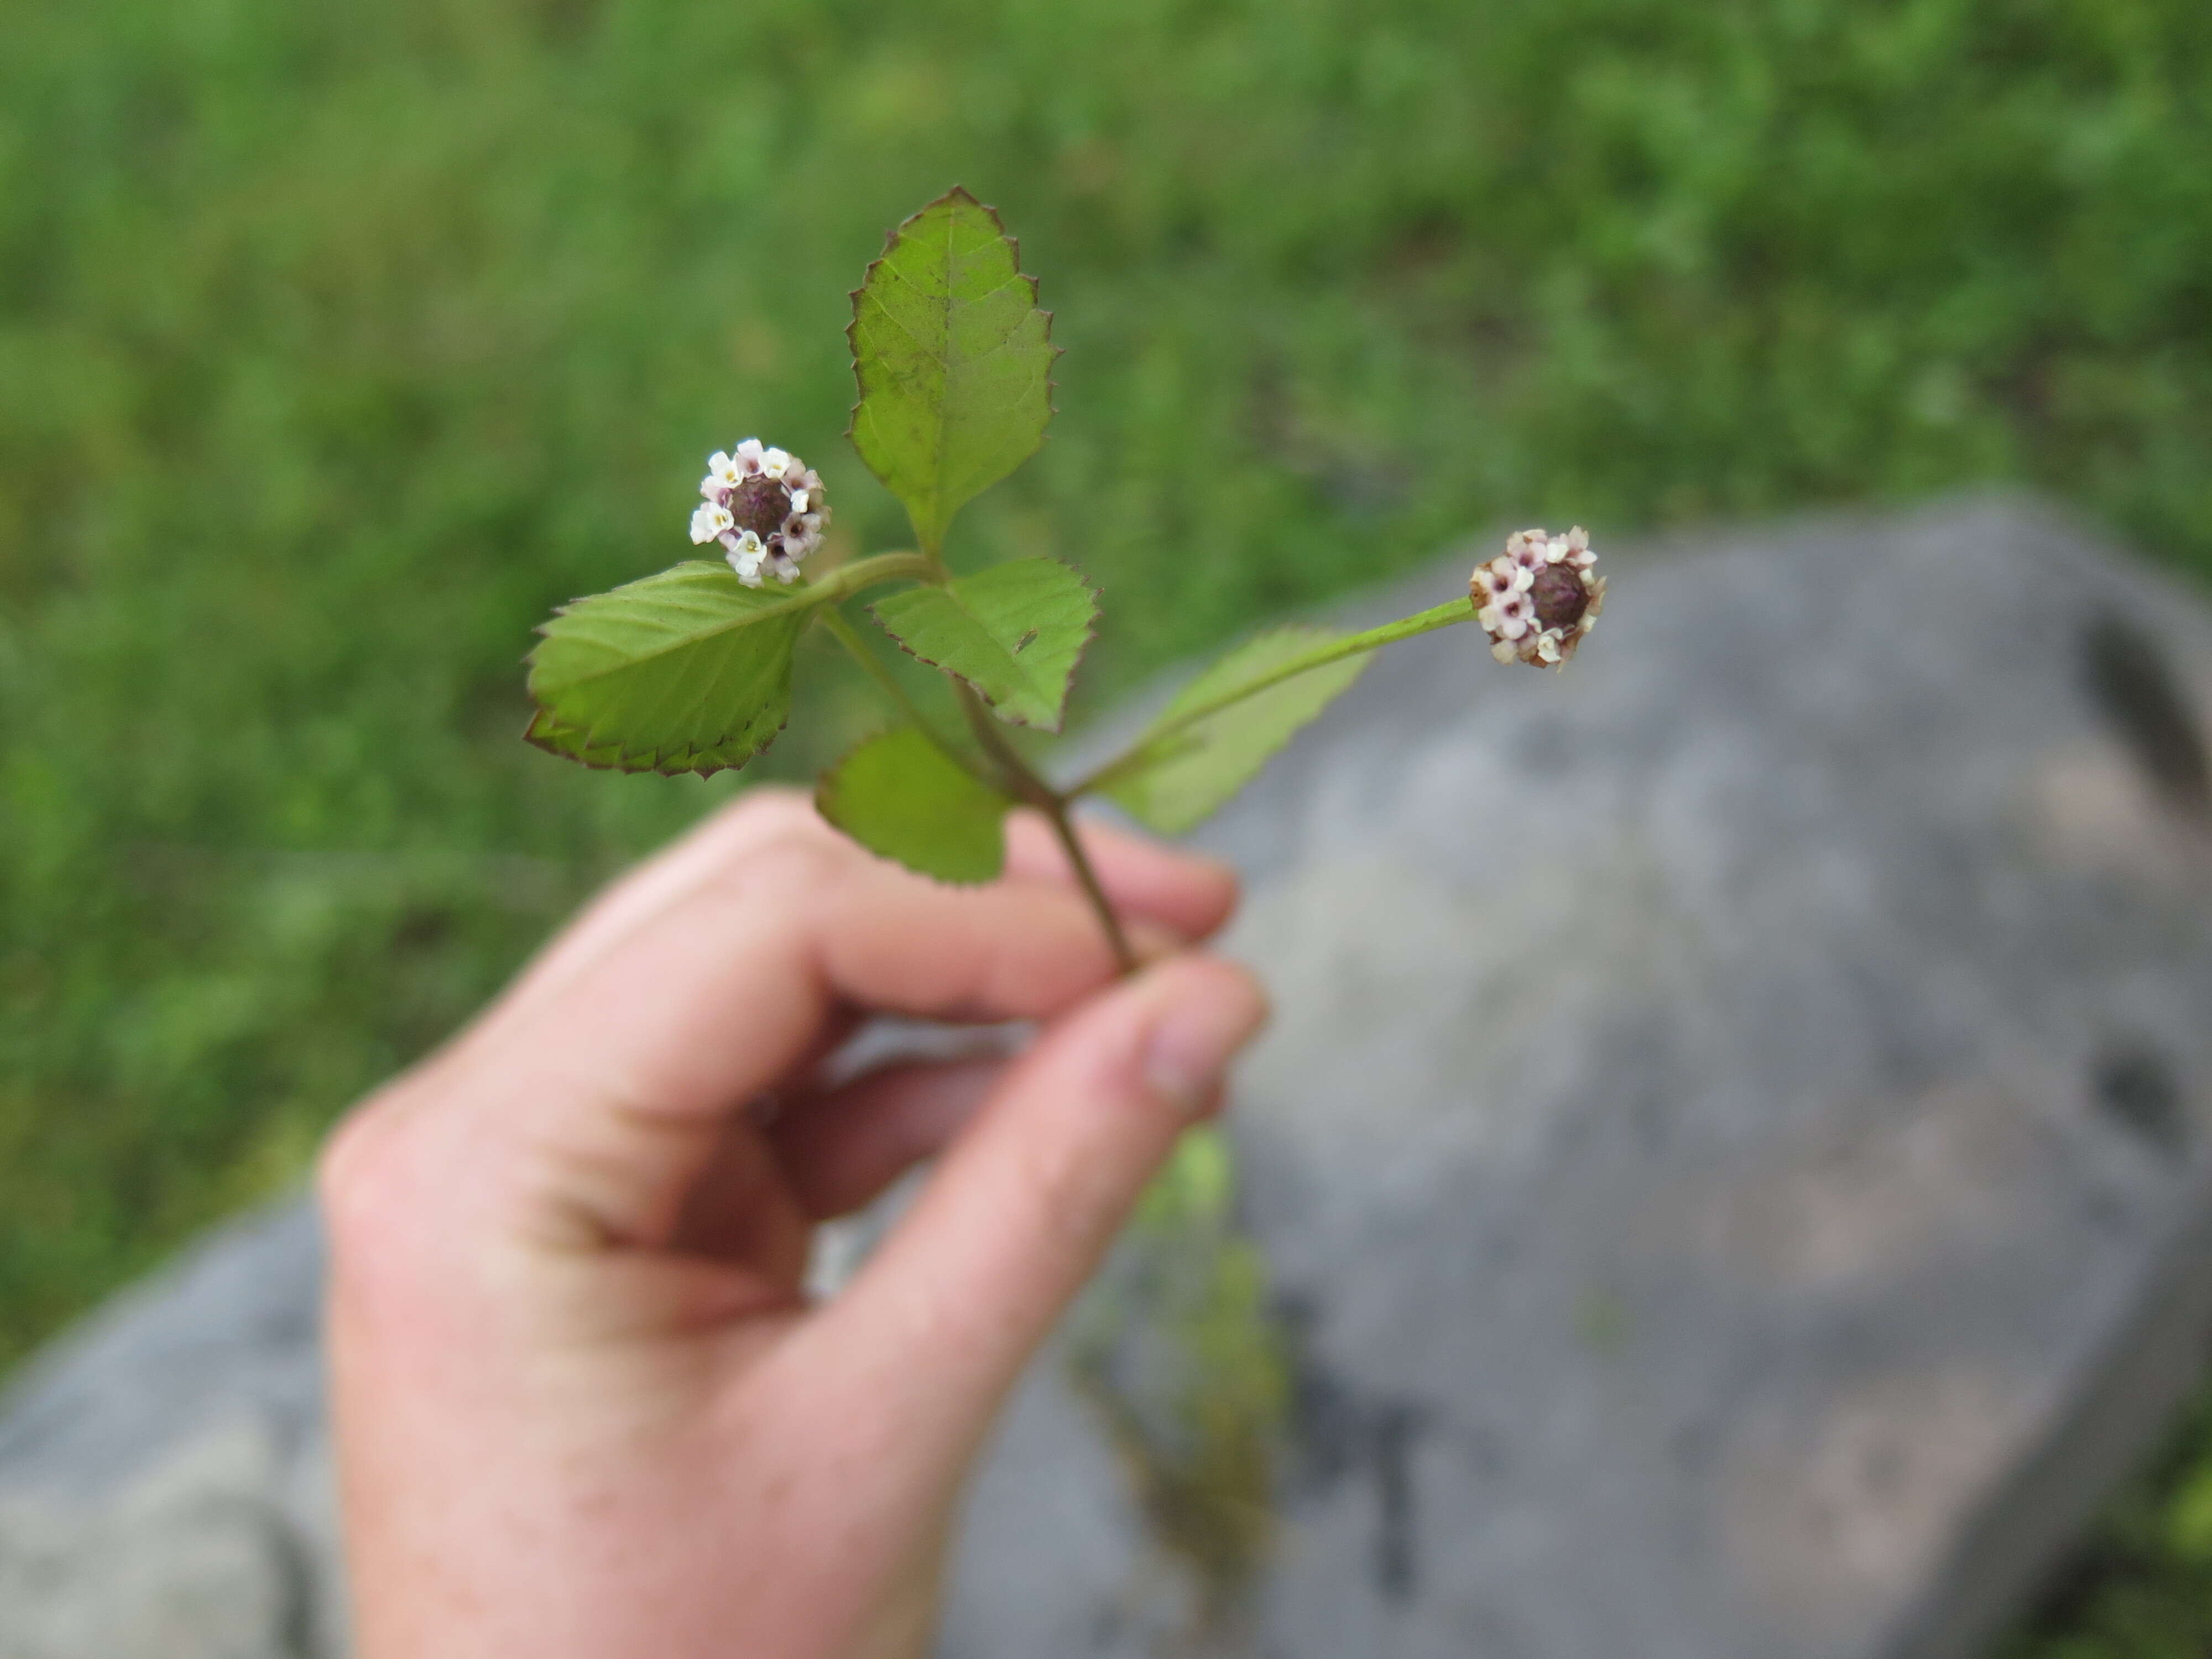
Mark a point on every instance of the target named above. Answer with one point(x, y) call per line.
point(165, 1476)
point(1728, 1169)
point(1731, 1141)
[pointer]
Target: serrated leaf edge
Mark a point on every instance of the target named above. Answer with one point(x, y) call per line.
point(958, 193)
point(800, 599)
point(1075, 663)
point(640, 761)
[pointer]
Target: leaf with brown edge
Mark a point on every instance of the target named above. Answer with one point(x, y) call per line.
point(954, 361)
point(687, 670)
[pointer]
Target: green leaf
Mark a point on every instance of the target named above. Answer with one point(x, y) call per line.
point(901, 796)
point(689, 671)
point(1178, 775)
point(1014, 632)
point(954, 360)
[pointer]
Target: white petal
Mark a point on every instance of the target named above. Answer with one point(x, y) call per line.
point(798, 501)
point(1502, 651)
point(775, 462)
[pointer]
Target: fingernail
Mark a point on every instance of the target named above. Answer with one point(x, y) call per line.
point(1213, 1015)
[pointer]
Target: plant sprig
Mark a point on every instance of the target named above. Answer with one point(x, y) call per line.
point(691, 670)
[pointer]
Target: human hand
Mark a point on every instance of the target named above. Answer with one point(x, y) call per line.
point(582, 1406)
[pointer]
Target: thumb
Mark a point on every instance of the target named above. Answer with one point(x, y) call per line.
point(1025, 1203)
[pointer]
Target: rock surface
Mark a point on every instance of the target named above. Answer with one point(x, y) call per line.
point(165, 1488)
point(1729, 1166)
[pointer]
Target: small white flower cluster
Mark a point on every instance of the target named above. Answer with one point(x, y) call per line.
point(1540, 597)
point(765, 507)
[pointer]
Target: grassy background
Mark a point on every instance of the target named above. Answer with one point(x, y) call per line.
point(339, 342)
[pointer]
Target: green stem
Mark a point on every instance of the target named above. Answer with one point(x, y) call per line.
point(1021, 781)
point(848, 578)
point(1015, 775)
point(847, 636)
point(1329, 651)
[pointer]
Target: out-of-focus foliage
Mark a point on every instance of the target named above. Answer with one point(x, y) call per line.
point(340, 342)
point(2140, 1587)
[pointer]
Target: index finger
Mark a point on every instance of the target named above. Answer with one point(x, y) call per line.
point(609, 1096)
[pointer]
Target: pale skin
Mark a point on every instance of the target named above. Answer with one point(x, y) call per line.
point(582, 1405)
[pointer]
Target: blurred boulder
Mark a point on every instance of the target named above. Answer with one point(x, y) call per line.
point(1728, 1158)
point(165, 1479)
point(1726, 1178)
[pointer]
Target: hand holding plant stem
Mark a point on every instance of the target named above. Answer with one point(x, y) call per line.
point(690, 671)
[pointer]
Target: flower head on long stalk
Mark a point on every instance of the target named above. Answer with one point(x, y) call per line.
point(1539, 597)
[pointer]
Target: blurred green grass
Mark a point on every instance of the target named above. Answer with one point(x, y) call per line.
point(338, 342)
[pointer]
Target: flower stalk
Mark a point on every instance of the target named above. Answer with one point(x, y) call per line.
point(689, 671)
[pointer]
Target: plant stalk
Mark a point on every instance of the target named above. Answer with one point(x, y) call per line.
point(887, 682)
point(1022, 782)
point(1329, 651)
point(1124, 959)
point(848, 578)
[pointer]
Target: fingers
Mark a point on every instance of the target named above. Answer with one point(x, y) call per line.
point(1182, 891)
point(843, 1149)
point(713, 843)
point(1025, 1202)
point(607, 1097)
point(1188, 895)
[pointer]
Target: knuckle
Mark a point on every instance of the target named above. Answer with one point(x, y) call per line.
point(349, 1177)
point(797, 857)
point(360, 1178)
point(773, 809)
